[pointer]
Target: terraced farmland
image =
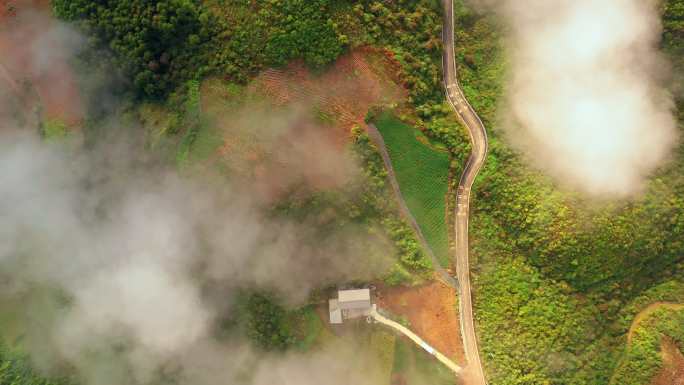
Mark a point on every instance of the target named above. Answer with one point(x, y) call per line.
point(422, 173)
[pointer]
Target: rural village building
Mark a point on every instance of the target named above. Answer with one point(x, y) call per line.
point(349, 304)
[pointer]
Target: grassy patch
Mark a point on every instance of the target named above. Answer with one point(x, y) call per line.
point(159, 122)
point(11, 329)
point(422, 173)
point(54, 129)
point(308, 328)
point(416, 366)
point(207, 140)
point(201, 139)
point(382, 344)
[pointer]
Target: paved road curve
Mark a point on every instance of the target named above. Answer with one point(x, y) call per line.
point(478, 138)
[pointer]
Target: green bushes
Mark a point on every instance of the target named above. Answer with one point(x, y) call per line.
point(159, 44)
point(536, 331)
point(299, 29)
point(15, 370)
point(411, 31)
point(265, 322)
point(604, 257)
point(642, 358)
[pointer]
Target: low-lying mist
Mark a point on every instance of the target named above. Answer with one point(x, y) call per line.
point(144, 258)
point(118, 269)
point(586, 100)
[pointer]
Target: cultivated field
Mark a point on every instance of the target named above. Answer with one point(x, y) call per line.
point(422, 172)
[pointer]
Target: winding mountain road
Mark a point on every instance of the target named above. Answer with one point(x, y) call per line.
point(478, 138)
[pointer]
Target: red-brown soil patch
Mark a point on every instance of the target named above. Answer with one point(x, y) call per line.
point(289, 128)
point(672, 372)
point(345, 91)
point(432, 312)
point(33, 55)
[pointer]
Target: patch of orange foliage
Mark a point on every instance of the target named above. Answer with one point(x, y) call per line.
point(30, 51)
point(431, 311)
point(308, 151)
point(345, 91)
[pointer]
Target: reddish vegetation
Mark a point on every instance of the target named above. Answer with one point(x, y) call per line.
point(302, 157)
point(345, 91)
point(31, 54)
point(672, 372)
point(431, 311)
point(305, 152)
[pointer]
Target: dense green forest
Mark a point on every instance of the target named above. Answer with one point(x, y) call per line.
point(158, 44)
point(161, 44)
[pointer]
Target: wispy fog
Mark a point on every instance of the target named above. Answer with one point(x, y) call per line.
point(118, 268)
point(586, 100)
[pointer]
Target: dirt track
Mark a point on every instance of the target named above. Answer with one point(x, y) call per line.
point(647, 311)
point(672, 372)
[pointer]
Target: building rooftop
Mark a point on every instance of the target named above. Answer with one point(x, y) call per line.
point(354, 299)
point(353, 295)
point(335, 312)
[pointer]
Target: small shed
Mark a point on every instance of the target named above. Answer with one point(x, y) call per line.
point(350, 304)
point(335, 312)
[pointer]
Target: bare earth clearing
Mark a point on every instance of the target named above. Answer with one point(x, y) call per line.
point(33, 57)
point(432, 313)
point(354, 83)
point(672, 372)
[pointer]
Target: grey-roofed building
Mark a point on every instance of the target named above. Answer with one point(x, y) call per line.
point(350, 304)
point(335, 312)
point(354, 299)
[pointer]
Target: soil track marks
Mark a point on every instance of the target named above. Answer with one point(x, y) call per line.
point(344, 92)
point(291, 124)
